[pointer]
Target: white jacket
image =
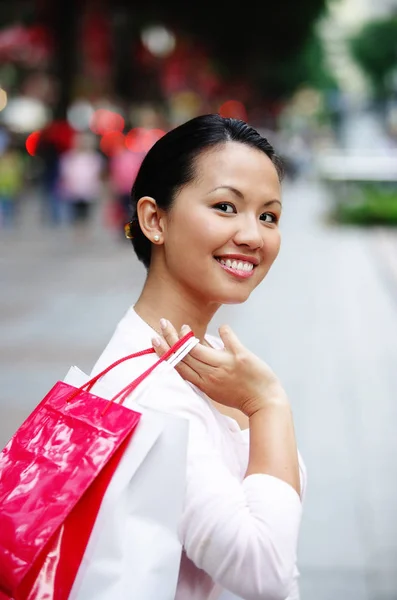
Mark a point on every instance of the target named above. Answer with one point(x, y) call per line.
point(238, 533)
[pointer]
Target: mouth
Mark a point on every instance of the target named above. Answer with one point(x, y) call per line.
point(241, 269)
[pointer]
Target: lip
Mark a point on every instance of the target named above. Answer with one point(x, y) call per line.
point(241, 257)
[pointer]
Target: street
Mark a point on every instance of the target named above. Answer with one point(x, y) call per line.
point(325, 319)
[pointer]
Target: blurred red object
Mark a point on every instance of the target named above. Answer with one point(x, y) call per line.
point(233, 109)
point(104, 120)
point(28, 45)
point(58, 135)
point(112, 142)
point(32, 142)
point(140, 140)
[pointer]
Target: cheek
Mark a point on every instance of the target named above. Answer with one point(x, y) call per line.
point(277, 244)
point(187, 242)
point(270, 251)
point(272, 246)
point(202, 233)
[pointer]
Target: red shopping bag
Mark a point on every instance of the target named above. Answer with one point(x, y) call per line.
point(53, 475)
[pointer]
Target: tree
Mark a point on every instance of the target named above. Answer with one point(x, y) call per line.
point(309, 67)
point(374, 49)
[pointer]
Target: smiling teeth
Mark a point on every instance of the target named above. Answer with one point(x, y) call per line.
point(239, 265)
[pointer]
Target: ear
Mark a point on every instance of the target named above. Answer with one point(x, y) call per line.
point(150, 219)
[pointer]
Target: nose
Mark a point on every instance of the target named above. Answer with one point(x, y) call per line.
point(250, 232)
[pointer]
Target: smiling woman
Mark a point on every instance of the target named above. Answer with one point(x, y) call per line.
point(206, 190)
point(206, 208)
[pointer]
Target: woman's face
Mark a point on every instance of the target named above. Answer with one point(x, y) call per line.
point(222, 235)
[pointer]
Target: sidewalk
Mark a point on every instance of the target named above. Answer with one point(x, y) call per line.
point(386, 247)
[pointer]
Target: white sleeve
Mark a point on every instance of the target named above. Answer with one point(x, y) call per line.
point(243, 534)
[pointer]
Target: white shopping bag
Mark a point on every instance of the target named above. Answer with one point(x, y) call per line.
point(134, 552)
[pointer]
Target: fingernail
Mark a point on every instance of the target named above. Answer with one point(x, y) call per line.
point(156, 342)
point(163, 323)
point(185, 329)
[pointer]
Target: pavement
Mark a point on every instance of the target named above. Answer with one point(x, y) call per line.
point(325, 319)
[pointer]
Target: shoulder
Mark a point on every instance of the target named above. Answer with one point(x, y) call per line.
point(128, 338)
point(164, 390)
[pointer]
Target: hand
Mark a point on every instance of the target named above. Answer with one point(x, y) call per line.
point(234, 377)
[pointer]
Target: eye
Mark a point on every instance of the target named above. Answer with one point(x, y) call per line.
point(226, 207)
point(269, 218)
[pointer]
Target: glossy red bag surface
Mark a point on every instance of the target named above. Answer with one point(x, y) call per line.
point(45, 471)
point(54, 473)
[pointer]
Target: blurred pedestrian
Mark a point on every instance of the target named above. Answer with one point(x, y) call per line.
point(124, 166)
point(80, 179)
point(11, 184)
point(55, 139)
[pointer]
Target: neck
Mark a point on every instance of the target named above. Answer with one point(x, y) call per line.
point(163, 298)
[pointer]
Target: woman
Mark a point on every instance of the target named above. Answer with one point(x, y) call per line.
point(206, 208)
point(80, 178)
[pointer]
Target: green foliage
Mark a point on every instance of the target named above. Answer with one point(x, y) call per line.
point(375, 50)
point(309, 67)
point(369, 205)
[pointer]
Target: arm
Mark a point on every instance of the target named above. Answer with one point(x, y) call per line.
point(273, 448)
point(242, 533)
point(272, 438)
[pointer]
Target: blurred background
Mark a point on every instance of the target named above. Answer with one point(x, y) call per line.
point(86, 88)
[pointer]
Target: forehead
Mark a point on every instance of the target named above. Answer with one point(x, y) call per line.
point(237, 165)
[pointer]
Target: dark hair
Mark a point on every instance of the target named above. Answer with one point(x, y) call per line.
point(170, 164)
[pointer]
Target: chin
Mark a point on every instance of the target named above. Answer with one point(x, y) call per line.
point(236, 297)
point(235, 300)
point(221, 293)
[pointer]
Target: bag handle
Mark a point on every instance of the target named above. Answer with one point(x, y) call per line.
point(90, 384)
point(179, 349)
point(177, 353)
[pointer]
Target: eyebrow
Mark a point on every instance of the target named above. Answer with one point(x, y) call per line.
point(237, 192)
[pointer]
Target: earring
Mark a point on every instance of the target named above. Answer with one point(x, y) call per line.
point(156, 238)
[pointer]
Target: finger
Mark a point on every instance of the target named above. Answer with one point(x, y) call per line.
point(200, 356)
point(160, 345)
point(184, 367)
point(187, 361)
point(168, 332)
point(189, 374)
point(185, 371)
point(230, 339)
point(185, 329)
point(203, 356)
point(171, 337)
